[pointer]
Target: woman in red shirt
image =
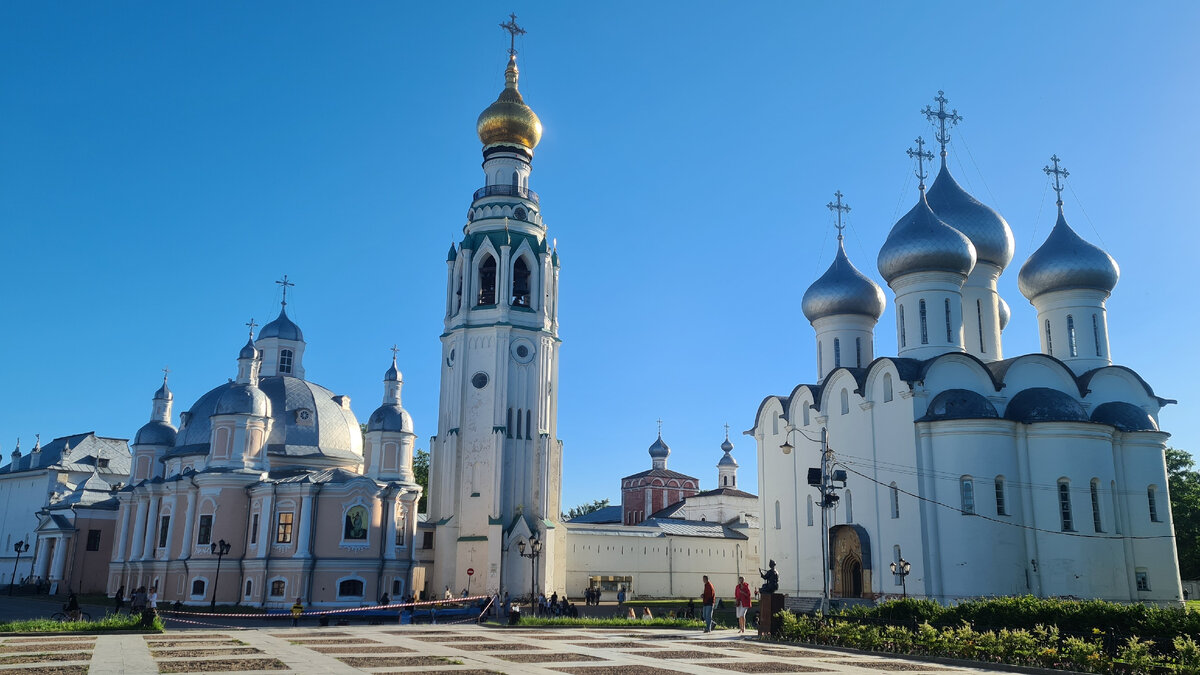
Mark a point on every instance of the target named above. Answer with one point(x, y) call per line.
point(741, 596)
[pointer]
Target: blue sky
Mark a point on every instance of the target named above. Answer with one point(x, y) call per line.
point(161, 164)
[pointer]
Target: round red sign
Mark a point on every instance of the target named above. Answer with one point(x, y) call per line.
point(470, 571)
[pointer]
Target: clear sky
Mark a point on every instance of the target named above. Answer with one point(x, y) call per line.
point(162, 163)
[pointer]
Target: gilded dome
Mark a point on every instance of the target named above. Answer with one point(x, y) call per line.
point(920, 242)
point(842, 290)
point(1065, 261)
point(987, 230)
point(509, 121)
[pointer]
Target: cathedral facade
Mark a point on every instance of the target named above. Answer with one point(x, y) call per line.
point(1038, 474)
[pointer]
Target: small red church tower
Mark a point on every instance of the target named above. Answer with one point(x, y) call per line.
point(642, 494)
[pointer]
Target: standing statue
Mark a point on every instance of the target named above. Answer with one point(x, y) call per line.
point(771, 577)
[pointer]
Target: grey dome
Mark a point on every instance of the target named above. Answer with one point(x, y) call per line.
point(331, 430)
point(727, 446)
point(243, 399)
point(163, 393)
point(987, 230)
point(659, 449)
point(390, 417)
point(919, 242)
point(727, 460)
point(1005, 313)
point(1041, 404)
point(393, 373)
point(282, 327)
point(155, 433)
point(248, 351)
point(1124, 416)
point(1065, 261)
point(842, 290)
point(959, 404)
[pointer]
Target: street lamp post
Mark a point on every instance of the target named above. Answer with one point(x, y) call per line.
point(902, 567)
point(219, 549)
point(535, 550)
point(18, 548)
point(829, 499)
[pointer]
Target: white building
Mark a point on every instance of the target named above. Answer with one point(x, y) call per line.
point(1041, 474)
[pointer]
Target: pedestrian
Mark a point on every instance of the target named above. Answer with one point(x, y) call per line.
point(708, 597)
point(631, 616)
point(620, 595)
point(646, 616)
point(137, 601)
point(297, 610)
point(448, 595)
point(385, 600)
point(119, 600)
point(152, 598)
point(741, 596)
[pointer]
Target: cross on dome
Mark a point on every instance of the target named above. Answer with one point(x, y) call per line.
point(660, 427)
point(920, 154)
point(942, 136)
point(167, 371)
point(1058, 173)
point(513, 31)
point(252, 326)
point(285, 283)
point(840, 208)
point(727, 431)
point(394, 350)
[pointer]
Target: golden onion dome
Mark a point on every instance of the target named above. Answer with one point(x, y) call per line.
point(508, 120)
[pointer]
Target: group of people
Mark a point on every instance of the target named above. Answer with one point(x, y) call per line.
point(741, 598)
point(591, 595)
point(140, 600)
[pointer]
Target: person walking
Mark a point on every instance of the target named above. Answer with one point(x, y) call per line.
point(119, 600)
point(297, 610)
point(741, 596)
point(152, 598)
point(708, 596)
point(621, 595)
point(137, 601)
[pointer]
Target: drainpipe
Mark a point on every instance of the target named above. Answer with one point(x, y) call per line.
point(242, 557)
point(269, 545)
point(187, 536)
point(383, 523)
point(312, 538)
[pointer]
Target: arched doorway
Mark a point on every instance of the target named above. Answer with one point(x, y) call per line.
point(849, 561)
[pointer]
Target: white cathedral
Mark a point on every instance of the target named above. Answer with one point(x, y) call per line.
point(1038, 474)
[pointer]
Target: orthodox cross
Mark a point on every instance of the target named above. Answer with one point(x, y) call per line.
point(167, 371)
point(660, 427)
point(284, 283)
point(252, 326)
point(840, 208)
point(920, 154)
point(726, 431)
point(942, 136)
point(1059, 174)
point(513, 31)
point(394, 350)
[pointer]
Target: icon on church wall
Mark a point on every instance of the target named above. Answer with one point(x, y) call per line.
point(356, 523)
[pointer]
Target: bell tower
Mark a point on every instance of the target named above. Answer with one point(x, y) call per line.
point(496, 462)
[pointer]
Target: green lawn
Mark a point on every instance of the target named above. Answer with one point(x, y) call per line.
point(103, 624)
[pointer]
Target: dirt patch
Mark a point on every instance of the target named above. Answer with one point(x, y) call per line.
point(54, 670)
point(191, 643)
point(616, 645)
point(492, 646)
point(766, 667)
point(476, 671)
point(454, 638)
point(381, 649)
point(618, 670)
point(41, 647)
point(194, 653)
point(91, 640)
point(220, 665)
point(418, 631)
point(395, 661)
point(545, 658)
point(321, 633)
point(333, 641)
point(186, 636)
point(890, 665)
point(44, 658)
point(684, 654)
point(776, 650)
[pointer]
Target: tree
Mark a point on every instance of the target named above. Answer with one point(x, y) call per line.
point(421, 474)
point(584, 509)
point(1184, 485)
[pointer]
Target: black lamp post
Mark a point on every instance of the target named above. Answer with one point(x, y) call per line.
point(19, 548)
point(219, 549)
point(535, 550)
point(902, 567)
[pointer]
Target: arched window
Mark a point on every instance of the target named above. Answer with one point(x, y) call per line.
point(966, 487)
point(1071, 347)
point(724, 481)
point(900, 316)
point(521, 288)
point(1001, 500)
point(1152, 500)
point(778, 525)
point(845, 401)
point(895, 495)
point(249, 587)
point(949, 332)
point(487, 281)
point(508, 429)
point(979, 315)
point(849, 507)
point(285, 361)
point(1097, 525)
point(837, 352)
point(518, 423)
point(858, 352)
point(350, 588)
point(516, 179)
point(1064, 505)
point(887, 387)
point(198, 587)
point(924, 324)
point(805, 406)
point(277, 588)
point(1049, 340)
point(1096, 335)
point(810, 511)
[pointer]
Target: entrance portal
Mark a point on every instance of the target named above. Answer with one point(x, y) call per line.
point(850, 561)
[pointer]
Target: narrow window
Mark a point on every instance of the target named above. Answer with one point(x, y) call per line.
point(516, 179)
point(1071, 336)
point(979, 315)
point(1097, 526)
point(820, 359)
point(1096, 334)
point(93, 542)
point(949, 333)
point(277, 588)
point(777, 522)
point(887, 387)
point(858, 352)
point(528, 424)
point(900, 314)
point(849, 507)
point(1116, 511)
point(1152, 499)
point(837, 353)
point(924, 324)
point(520, 290)
point(1143, 579)
point(204, 533)
point(1049, 340)
point(724, 481)
point(508, 426)
point(1064, 505)
point(254, 529)
point(285, 361)
point(805, 408)
point(164, 529)
point(487, 281)
point(198, 587)
point(249, 587)
point(1001, 502)
point(895, 495)
point(518, 422)
point(845, 402)
point(283, 528)
point(967, 490)
point(810, 511)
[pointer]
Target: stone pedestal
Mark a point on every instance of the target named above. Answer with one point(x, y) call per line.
point(768, 605)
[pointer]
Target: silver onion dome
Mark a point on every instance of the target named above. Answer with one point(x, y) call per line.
point(1066, 261)
point(163, 393)
point(987, 230)
point(842, 290)
point(659, 449)
point(1005, 313)
point(282, 327)
point(393, 373)
point(248, 351)
point(920, 242)
point(390, 417)
point(156, 433)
